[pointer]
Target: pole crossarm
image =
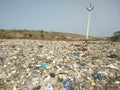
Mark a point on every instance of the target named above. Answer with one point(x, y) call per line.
point(90, 8)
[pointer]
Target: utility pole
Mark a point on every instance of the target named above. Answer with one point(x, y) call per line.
point(90, 8)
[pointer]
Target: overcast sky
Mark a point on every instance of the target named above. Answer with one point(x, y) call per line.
point(61, 16)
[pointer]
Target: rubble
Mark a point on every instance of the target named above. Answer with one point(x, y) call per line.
point(59, 65)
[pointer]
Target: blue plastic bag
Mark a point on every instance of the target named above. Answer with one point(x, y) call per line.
point(76, 54)
point(68, 84)
point(44, 65)
point(99, 76)
point(49, 87)
point(83, 64)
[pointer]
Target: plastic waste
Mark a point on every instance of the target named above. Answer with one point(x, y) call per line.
point(49, 87)
point(44, 65)
point(51, 65)
point(36, 88)
point(76, 54)
point(113, 79)
point(68, 84)
point(92, 81)
point(52, 75)
point(7, 59)
point(112, 56)
point(83, 64)
point(99, 76)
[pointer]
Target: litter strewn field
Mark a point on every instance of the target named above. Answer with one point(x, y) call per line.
point(59, 65)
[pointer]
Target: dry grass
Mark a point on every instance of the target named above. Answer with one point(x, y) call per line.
point(41, 35)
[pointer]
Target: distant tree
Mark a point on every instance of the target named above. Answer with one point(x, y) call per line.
point(2, 30)
point(41, 31)
point(116, 36)
point(116, 33)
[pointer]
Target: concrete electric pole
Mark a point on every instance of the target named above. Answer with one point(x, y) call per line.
point(90, 8)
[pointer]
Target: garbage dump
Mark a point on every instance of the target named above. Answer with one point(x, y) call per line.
point(59, 65)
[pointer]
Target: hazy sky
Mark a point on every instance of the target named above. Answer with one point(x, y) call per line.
point(61, 16)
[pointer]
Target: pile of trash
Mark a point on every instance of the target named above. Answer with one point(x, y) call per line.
point(59, 65)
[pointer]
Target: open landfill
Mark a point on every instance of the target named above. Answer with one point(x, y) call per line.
point(59, 65)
